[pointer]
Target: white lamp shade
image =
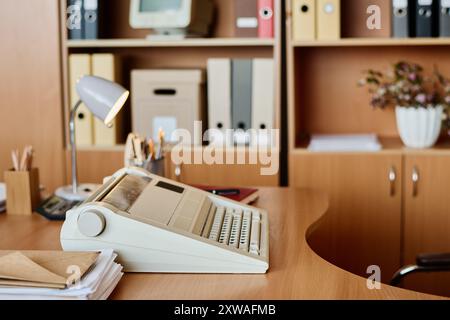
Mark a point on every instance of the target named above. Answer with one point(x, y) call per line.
point(102, 97)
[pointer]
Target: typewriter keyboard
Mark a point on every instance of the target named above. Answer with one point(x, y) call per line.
point(237, 228)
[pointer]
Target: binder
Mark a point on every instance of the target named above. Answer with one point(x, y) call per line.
point(91, 17)
point(328, 19)
point(304, 20)
point(402, 18)
point(241, 76)
point(359, 20)
point(106, 66)
point(444, 19)
point(75, 20)
point(263, 97)
point(246, 18)
point(265, 19)
point(80, 65)
point(427, 18)
point(219, 97)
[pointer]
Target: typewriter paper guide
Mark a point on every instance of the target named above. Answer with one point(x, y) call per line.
point(157, 225)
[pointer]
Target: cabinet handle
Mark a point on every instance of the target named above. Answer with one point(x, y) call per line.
point(177, 172)
point(392, 180)
point(415, 177)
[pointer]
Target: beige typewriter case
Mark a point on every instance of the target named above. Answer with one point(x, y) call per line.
point(158, 225)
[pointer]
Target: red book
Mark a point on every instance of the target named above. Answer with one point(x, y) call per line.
point(244, 195)
point(265, 19)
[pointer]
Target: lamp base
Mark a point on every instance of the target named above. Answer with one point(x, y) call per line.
point(84, 191)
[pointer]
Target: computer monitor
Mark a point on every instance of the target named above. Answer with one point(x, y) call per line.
point(172, 18)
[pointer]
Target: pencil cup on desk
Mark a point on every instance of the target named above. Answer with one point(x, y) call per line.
point(156, 167)
point(22, 191)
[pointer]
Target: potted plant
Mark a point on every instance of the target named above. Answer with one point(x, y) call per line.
point(420, 101)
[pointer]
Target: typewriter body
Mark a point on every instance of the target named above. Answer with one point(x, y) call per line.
point(158, 225)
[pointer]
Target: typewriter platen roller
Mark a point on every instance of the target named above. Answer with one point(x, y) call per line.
point(157, 225)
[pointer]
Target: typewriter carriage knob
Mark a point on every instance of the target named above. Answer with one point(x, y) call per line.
point(91, 223)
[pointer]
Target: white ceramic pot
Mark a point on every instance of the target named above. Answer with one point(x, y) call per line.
point(419, 127)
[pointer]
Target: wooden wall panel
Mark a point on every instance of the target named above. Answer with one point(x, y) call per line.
point(30, 108)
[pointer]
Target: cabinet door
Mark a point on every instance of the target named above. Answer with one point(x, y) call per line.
point(363, 224)
point(427, 216)
point(234, 175)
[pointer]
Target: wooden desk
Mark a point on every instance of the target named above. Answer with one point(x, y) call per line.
point(296, 272)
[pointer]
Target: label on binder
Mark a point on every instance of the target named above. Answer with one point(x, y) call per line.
point(90, 4)
point(249, 22)
point(400, 3)
point(425, 2)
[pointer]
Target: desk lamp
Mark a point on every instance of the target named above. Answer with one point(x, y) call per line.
point(104, 99)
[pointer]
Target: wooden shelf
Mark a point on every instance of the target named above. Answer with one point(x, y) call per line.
point(390, 145)
point(363, 42)
point(143, 43)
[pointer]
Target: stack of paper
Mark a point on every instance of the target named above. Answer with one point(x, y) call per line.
point(2, 197)
point(344, 143)
point(51, 275)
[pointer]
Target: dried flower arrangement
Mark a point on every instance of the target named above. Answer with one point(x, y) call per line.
point(406, 85)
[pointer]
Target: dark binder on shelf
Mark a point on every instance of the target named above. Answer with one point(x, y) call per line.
point(91, 18)
point(427, 24)
point(246, 18)
point(444, 18)
point(359, 20)
point(75, 20)
point(241, 77)
point(403, 18)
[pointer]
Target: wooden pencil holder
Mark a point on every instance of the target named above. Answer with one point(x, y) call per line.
point(22, 191)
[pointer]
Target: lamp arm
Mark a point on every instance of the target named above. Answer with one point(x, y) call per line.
point(73, 114)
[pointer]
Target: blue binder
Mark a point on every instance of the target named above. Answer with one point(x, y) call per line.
point(91, 19)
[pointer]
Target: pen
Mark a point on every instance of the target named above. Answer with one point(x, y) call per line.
point(161, 135)
point(151, 149)
point(30, 158)
point(15, 159)
point(226, 192)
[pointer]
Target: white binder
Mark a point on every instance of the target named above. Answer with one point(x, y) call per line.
point(219, 97)
point(263, 100)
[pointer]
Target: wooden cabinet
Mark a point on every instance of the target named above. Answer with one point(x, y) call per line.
point(427, 216)
point(366, 190)
point(244, 175)
point(396, 206)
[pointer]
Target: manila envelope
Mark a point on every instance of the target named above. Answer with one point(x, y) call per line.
point(45, 269)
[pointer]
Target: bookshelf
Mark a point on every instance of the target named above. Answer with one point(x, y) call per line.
point(136, 52)
point(390, 223)
point(323, 97)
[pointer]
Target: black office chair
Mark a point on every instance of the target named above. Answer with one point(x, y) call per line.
point(424, 263)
